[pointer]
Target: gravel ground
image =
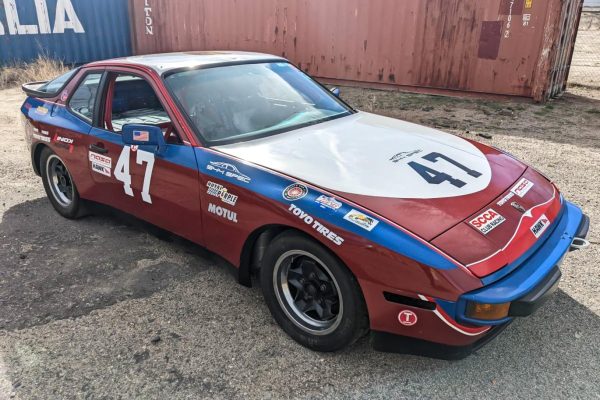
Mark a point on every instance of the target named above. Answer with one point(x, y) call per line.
point(107, 308)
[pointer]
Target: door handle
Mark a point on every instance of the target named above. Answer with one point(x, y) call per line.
point(98, 149)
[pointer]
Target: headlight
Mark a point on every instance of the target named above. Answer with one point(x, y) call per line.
point(487, 311)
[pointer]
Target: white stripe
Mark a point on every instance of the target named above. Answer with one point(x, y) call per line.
point(436, 312)
point(526, 214)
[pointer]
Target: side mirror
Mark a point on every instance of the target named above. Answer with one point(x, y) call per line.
point(143, 135)
point(335, 91)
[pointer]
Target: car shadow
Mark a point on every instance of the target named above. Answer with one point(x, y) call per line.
point(55, 268)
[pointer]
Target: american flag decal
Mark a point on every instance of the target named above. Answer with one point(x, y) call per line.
point(141, 136)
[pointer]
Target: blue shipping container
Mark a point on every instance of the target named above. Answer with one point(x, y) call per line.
point(75, 31)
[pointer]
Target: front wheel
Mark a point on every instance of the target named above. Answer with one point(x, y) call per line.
point(311, 294)
point(59, 185)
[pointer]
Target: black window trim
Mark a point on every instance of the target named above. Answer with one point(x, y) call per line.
point(92, 121)
point(211, 143)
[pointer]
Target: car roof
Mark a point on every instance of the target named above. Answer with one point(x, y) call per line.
point(168, 61)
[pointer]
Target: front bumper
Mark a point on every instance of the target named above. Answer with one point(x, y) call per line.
point(390, 343)
point(445, 332)
point(534, 276)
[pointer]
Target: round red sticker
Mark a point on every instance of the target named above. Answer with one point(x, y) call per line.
point(407, 318)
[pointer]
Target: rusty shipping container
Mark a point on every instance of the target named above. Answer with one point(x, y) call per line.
point(507, 47)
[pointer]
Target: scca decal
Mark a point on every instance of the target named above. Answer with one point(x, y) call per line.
point(487, 221)
point(316, 225)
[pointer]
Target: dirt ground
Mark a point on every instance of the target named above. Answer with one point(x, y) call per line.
point(104, 308)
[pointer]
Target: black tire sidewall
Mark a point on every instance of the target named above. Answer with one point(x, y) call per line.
point(73, 209)
point(354, 323)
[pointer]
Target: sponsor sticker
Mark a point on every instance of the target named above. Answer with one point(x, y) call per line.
point(42, 138)
point(487, 221)
point(100, 159)
point(44, 132)
point(362, 220)
point(220, 191)
point(229, 170)
point(540, 226)
point(505, 199)
point(316, 225)
point(518, 207)
point(141, 136)
point(404, 154)
point(222, 212)
point(328, 202)
point(295, 191)
point(407, 318)
point(41, 110)
point(101, 169)
point(522, 187)
point(63, 139)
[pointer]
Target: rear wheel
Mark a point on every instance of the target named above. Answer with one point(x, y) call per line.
point(311, 294)
point(59, 185)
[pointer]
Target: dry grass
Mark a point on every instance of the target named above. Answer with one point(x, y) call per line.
point(41, 69)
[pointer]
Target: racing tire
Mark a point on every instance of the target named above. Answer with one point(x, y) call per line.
point(311, 294)
point(59, 185)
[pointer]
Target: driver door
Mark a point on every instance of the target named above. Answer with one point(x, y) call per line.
point(163, 188)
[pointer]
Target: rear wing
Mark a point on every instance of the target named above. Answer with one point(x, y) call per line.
point(31, 89)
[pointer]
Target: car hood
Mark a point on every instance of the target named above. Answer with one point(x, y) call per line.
point(390, 167)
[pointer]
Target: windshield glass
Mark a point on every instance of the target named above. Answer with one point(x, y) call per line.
point(241, 102)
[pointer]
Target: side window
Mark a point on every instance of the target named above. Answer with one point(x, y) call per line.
point(83, 100)
point(131, 100)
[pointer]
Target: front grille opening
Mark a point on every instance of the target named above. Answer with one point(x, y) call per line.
point(409, 301)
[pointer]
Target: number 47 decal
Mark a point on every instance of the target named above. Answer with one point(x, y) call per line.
point(436, 177)
point(122, 171)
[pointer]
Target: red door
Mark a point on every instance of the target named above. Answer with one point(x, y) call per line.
point(161, 188)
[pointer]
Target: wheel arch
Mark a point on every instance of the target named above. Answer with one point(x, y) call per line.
point(254, 248)
point(36, 155)
point(256, 244)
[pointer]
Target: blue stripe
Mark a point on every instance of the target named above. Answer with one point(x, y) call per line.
point(266, 184)
point(272, 185)
point(60, 117)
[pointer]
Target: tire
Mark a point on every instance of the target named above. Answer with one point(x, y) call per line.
point(59, 186)
point(301, 281)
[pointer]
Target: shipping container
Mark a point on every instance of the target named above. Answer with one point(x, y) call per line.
point(75, 31)
point(507, 47)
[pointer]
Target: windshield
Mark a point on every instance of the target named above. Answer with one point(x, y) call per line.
point(241, 102)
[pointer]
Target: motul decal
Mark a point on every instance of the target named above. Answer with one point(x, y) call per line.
point(222, 212)
point(487, 221)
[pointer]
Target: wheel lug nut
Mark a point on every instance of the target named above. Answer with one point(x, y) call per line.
point(312, 275)
point(323, 287)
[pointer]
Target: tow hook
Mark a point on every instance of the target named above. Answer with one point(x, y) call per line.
point(579, 243)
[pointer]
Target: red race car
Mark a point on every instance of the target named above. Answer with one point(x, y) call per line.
point(352, 222)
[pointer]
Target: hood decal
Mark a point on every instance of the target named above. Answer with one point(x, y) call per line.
point(371, 155)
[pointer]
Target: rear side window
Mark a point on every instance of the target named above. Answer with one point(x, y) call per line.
point(56, 84)
point(83, 100)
